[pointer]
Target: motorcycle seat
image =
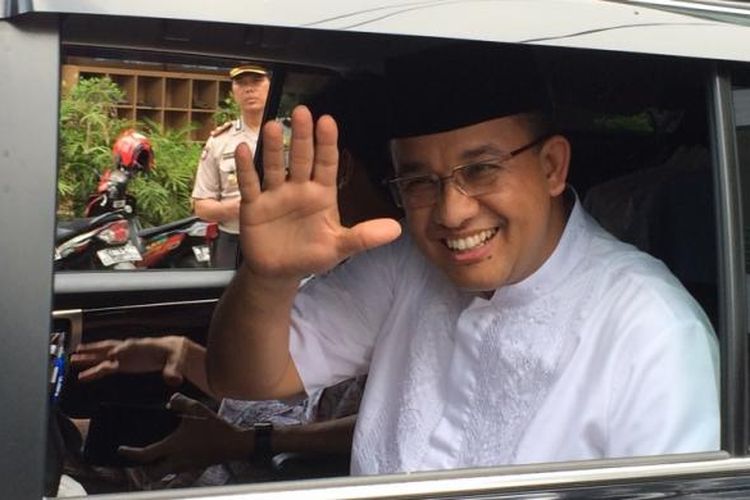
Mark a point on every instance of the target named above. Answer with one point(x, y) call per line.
point(147, 233)
point(68, 228)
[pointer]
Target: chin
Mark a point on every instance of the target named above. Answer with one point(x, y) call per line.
point(475, 283)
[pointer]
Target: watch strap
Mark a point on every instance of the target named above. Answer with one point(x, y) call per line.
point(262, 452)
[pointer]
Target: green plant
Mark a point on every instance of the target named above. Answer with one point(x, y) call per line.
point(228, 110)
point(88, 128)
point(163, 195)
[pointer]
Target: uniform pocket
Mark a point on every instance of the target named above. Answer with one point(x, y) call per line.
point(226, 165)
point(228, 175)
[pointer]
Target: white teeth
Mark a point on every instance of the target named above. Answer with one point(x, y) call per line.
point(470, 242)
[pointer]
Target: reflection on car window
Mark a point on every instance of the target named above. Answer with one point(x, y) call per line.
point(174, 211)
point(298, 88)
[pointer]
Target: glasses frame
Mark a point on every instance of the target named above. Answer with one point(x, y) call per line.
point(441, 181)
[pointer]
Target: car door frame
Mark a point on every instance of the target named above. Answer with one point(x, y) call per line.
point(28, 149)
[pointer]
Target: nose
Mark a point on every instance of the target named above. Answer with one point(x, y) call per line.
point(454, 208)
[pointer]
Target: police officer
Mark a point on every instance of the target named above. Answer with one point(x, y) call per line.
point(215, 195)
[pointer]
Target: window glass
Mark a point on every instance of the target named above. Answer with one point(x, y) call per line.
point(146, 168)
point(298, 88)
point(641, 162)
point(741, 101)
point(578, 372)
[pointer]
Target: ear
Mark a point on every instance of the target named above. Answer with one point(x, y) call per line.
point(555, 160)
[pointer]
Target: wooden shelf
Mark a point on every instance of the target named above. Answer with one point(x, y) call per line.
point(203, 123)
point(170, 99)
point(126, 113)
point(176, 119)
point(177, 93)
point(205, 94)
point(225, 90)
point(150, 92)
point(150, 114)
point(127, 84)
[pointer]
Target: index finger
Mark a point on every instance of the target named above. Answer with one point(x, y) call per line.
point(96, 347)
point(101, 370)
point(247, 177)
point(83, 359)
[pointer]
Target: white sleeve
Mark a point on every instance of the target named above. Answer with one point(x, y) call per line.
point(665, 393)
point(207, 179)
point(336, 318)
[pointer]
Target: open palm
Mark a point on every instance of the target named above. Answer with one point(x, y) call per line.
point(290, 226)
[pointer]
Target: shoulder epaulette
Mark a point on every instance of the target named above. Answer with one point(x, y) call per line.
point(221, 129)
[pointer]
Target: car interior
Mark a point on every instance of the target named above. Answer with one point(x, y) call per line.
point(641, 165)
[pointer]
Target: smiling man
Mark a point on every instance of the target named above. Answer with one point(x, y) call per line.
point(216, 195)
point(503, 326)
point(496, 223)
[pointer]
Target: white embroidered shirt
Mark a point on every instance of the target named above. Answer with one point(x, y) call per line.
point(600, 353)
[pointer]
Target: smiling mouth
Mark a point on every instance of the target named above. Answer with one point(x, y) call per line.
point(470, 242)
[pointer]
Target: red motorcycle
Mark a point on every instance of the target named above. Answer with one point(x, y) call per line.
point(102, 242)
point(183, 243)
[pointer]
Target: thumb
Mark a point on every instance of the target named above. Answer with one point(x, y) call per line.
point(369, 234)
point(143, 455)
point(171, 374)
point(184, 405)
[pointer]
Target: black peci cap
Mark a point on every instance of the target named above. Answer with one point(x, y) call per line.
point(453, 86)
point(358, 103)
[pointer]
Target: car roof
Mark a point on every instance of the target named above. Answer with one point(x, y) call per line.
point(680, 28)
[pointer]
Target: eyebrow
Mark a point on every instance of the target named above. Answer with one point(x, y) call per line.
point(480, 151)
point(467, 155)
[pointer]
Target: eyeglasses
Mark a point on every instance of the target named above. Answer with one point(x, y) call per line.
point(471, 179)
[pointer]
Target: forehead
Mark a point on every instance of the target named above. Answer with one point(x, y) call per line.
point(437, 152)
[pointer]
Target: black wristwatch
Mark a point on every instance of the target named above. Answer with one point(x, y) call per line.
point(262, 453)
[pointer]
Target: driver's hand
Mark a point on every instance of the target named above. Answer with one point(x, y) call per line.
point(201, 439)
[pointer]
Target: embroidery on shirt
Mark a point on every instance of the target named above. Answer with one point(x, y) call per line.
point(399, 441)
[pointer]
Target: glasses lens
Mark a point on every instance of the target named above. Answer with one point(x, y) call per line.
point(395, 194)
point(477, 178)
point(418, 191)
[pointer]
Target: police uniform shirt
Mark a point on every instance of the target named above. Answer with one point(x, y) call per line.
point(216, 178)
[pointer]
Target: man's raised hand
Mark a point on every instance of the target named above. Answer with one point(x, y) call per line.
point(289, 226)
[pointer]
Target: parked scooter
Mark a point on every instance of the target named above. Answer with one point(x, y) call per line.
point(109, 240)
point(132, 154)
point(183, 243)
point(107, 237)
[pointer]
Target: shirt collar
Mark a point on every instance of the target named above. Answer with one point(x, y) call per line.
point(556, 269)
